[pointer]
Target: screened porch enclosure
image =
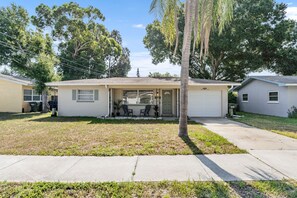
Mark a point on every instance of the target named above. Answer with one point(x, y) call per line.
point(137, 99)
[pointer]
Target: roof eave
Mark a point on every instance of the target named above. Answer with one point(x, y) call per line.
point(133, 84)
point(269, 81)
point(20, 82)
point(249, 79)
point(72, 84)
point(290, 85)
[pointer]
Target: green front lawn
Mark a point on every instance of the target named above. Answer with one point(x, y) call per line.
point(283, 126)
point(151, 189)
point(39, 134)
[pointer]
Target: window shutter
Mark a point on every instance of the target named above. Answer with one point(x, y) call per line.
point(96, 93)
point(73, 94)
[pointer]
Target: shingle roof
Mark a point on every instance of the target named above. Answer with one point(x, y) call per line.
point(277, 80)
point(17, 79)
point(137, 81)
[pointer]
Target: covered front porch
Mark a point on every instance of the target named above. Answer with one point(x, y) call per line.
point(151, 100)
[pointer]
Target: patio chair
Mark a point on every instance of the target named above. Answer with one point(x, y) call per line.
point(146, 111)
point(127, 111)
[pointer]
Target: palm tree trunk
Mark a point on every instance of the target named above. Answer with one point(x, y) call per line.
point(186, 50)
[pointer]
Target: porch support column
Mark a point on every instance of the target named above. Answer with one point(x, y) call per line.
point(177, 104)
point(161, 103)
point(108, 102)
point(111, 101)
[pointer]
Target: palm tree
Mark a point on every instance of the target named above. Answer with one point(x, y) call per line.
point(200, 16)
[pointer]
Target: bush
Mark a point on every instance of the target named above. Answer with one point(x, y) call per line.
point(232, 98)
point(292, 113)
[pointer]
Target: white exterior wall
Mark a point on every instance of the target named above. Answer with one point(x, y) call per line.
point(258, 99)
point(292, 97)
point(224, 101)
point(69, 107)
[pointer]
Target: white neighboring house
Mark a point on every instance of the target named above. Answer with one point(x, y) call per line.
point(96, 97)
point(268, 95)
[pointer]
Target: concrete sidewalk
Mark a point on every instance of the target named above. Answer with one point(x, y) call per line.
point(137, 168)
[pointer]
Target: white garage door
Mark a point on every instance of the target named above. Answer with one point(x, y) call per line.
point(205, 103)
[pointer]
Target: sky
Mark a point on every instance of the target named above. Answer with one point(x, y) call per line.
point(130, 17)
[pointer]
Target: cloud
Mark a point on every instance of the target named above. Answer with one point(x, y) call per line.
point(292, 13)
point(143, 61)
point(140, 26)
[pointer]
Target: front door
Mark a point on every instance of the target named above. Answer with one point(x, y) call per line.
point(167, 102)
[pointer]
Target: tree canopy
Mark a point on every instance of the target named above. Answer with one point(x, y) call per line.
point(66, 41)
point(118, 64)
point(259, 37)
point(28, 53)
point(83, 40)
point(161, 75)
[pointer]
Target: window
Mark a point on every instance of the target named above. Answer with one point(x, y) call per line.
point(36, 96)
point(27, 95)
point(130, 97)
point(146, 96)
point(31, 96)
point(245, 97)
point(85, 95)
point(273, 96)
point(138, 96)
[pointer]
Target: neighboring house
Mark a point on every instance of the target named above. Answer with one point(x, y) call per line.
point(16, 93)
point(269, 95)
point(96, 97)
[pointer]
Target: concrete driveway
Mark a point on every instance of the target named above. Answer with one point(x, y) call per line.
point(247, 137)
point(277, 151)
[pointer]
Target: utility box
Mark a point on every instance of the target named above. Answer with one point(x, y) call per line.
point(232, 109)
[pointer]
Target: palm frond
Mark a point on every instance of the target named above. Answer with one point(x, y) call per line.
point(167, 10)
point(158, 7)
point(208, 14)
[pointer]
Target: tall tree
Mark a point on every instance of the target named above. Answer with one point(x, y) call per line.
point(258, 27)
point(200, 15)
point(118, 64)
point(81, 37)
point(14, 37)
point(27, 52)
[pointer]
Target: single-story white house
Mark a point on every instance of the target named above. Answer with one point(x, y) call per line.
point(16, 93)
point(268, 95)
point(96, 97)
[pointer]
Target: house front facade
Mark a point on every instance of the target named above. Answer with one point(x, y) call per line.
point(16, 93)
point(98, 97)
point(268, 95)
